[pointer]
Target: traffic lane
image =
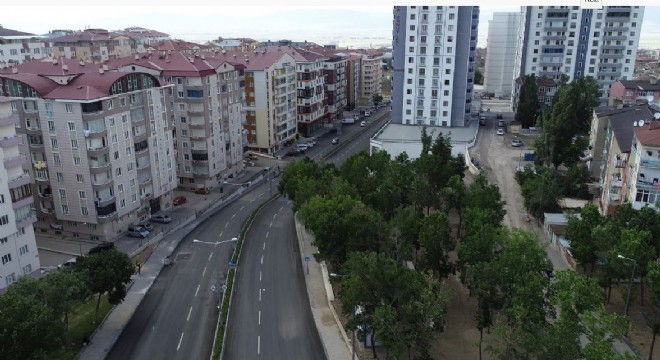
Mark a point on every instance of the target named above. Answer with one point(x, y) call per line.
point(164, 309)
point(361, 143)
point(289, 331)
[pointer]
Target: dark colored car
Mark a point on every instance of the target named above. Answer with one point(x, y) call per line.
point(294, 152)
point(335, 141)
point(499, 116)
point(517, 143)
point(104, 246)
point(163, 219)
point(179, 200)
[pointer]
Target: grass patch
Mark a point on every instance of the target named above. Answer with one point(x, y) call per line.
point(81, 324)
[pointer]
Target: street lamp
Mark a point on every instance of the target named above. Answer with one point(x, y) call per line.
point(625, 311)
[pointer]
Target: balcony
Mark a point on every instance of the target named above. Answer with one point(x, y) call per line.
point(145, 180)
point(33, 130)
point(615, 28)
point(200, 171)
point(14, 161)
point(27, 220)
point(199, 150)
point(107, 212)
point(20, 180)
point(25, 201)
point(96, 133)
point(144, 165)
point(99, 182)
point(616, 182)
point(653, 164)
point(95, 151)
point(140, 136)
point(554, 37)
point(613, 47)
point(615, 197)
point(141, 147)
point(611, 56)
point(99, 167)
point(620, 164)
point(614, 37)
point(8, 142)
point(101, 202)
point(10, 120)
point(643, 184)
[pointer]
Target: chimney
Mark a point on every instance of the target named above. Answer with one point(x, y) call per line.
point(65, 67)
point(101, 70)
point(653, 80)
point(137, 57)
point(82, 63)
point(105, 67)
point(14, 70)
point(54, 61)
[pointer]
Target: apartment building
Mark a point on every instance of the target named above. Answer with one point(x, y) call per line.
point(501, 53)
point(601, 43)
point(142, 37)
point(270, 96)
point(99, 145)
point(371, 76)
point(434, 50)
point(18, 248)
point(643, 186)
point(311, 110)
point(95, 45)
point(17, 47)
point(353, 73)
point(547, 88)
point(206, 111)
point(634, 91)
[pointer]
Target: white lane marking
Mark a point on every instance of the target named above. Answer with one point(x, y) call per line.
point(221, 234)
point(233, 216)
point(204, 273)
point(196, 291)
point(259, 275)
point(262, 259)
point(259, 294)
point(274, 215)
point(264, 246)
point(258, 344)
point(210, 256)
point(241, 209)
point(251, 201)
point(189, 312)
point(227, 224)
point(259, 317)
point(281, 208)
point(181, 339)
point(267, 232)
point(271, 224)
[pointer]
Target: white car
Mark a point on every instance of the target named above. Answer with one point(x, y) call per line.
point(500, 131)
point(364, 123)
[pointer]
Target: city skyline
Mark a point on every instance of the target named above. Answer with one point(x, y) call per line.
point(344, 26)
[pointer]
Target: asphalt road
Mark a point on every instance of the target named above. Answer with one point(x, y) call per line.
point(177, 318)
point(271, 316)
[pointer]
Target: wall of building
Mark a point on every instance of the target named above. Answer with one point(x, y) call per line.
point(501, 53)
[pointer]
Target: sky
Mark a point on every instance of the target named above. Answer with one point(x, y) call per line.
point(342, 25)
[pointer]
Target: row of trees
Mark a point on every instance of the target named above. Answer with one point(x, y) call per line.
point(34, 313)
point(374, 216)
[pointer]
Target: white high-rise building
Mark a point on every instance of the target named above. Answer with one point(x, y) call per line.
point(601, 43)
point(18, 248)
point(434, 50)
point(501, 53)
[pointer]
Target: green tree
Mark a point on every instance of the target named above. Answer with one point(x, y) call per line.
point(377, 99)
point(478, 77)
point(29, 328)
point(453, 196)
point(635, 244)
point(435, 237)
point(528, 102)
point(342, 224)
point(62, 291)
point(541, 194)
point(653, 317)
point(480, 194)
point(107, 272)
point(404, 234)
point(580, 232)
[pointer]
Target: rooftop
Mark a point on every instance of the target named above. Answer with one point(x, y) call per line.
point(640, 85)
point(649, 134)
point(621, 121)
point(10, 32)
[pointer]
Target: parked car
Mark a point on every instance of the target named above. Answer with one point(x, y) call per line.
point(138, 233)
point(137, 227)
point(364, 123)
point(335, 141)
point(500, 123)
point(179, 200)
point(202, 191)
point(252, 157)
point(301, 147)
point(294, 152)
point(104, 246)
point(499, 116)
point(500, 131)
point(517, 143)
point(147, 226)
point(163, 219)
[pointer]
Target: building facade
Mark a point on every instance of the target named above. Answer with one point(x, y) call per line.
point(371, 77)
point(434, 50)
point(99, 146)
point(547, 88)
point(501, 53)
point(353, 71)
point(643, 186)
point(601, 43)
point(311, 110)
point(18, 248)
point(17, 47)
point(206, 112)
point(634, 91)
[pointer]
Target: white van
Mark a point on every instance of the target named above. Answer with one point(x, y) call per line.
point(301, 147)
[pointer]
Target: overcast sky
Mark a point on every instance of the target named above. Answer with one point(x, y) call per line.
point(357, 26)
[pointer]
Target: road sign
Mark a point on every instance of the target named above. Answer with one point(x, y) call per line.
point(307, 259)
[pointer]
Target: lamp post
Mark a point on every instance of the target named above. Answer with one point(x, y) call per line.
point(632, 275)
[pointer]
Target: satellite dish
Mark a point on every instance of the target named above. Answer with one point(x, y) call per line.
point(656, 116)
point(649, 98)
point(638, 123)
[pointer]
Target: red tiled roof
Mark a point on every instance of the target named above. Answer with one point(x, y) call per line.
point(47, 67)
point(39, 83)
point(649, 134)
point(86, 35)
point(309, 55)
point(10, 32)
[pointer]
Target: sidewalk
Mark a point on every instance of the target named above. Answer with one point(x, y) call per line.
point(112, 326)
point(333, 336)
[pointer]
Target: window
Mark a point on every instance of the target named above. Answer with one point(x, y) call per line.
point(126, 134)
point(111, 121)
point(122, 102)
point(51, 125)
point(53, 143)
point(130, 166)
point(114, 138)
point(6, 258)
point(451, 16)
point(63, 193)
point(116, 155)
point(72, 125)
point(65, 209)
point(69, 108)
point(120, 188)
point(84, 210)
point(76, 160)
point(122, 203)
point(124, 119)
point(59, 176)
point(118, 172)
point(74, 144)
point(81, 194)
point(110, 104)
point(182, 107)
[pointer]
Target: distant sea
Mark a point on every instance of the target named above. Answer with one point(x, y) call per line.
point(341, 41)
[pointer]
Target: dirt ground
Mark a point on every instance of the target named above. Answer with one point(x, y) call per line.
point(144, 255)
